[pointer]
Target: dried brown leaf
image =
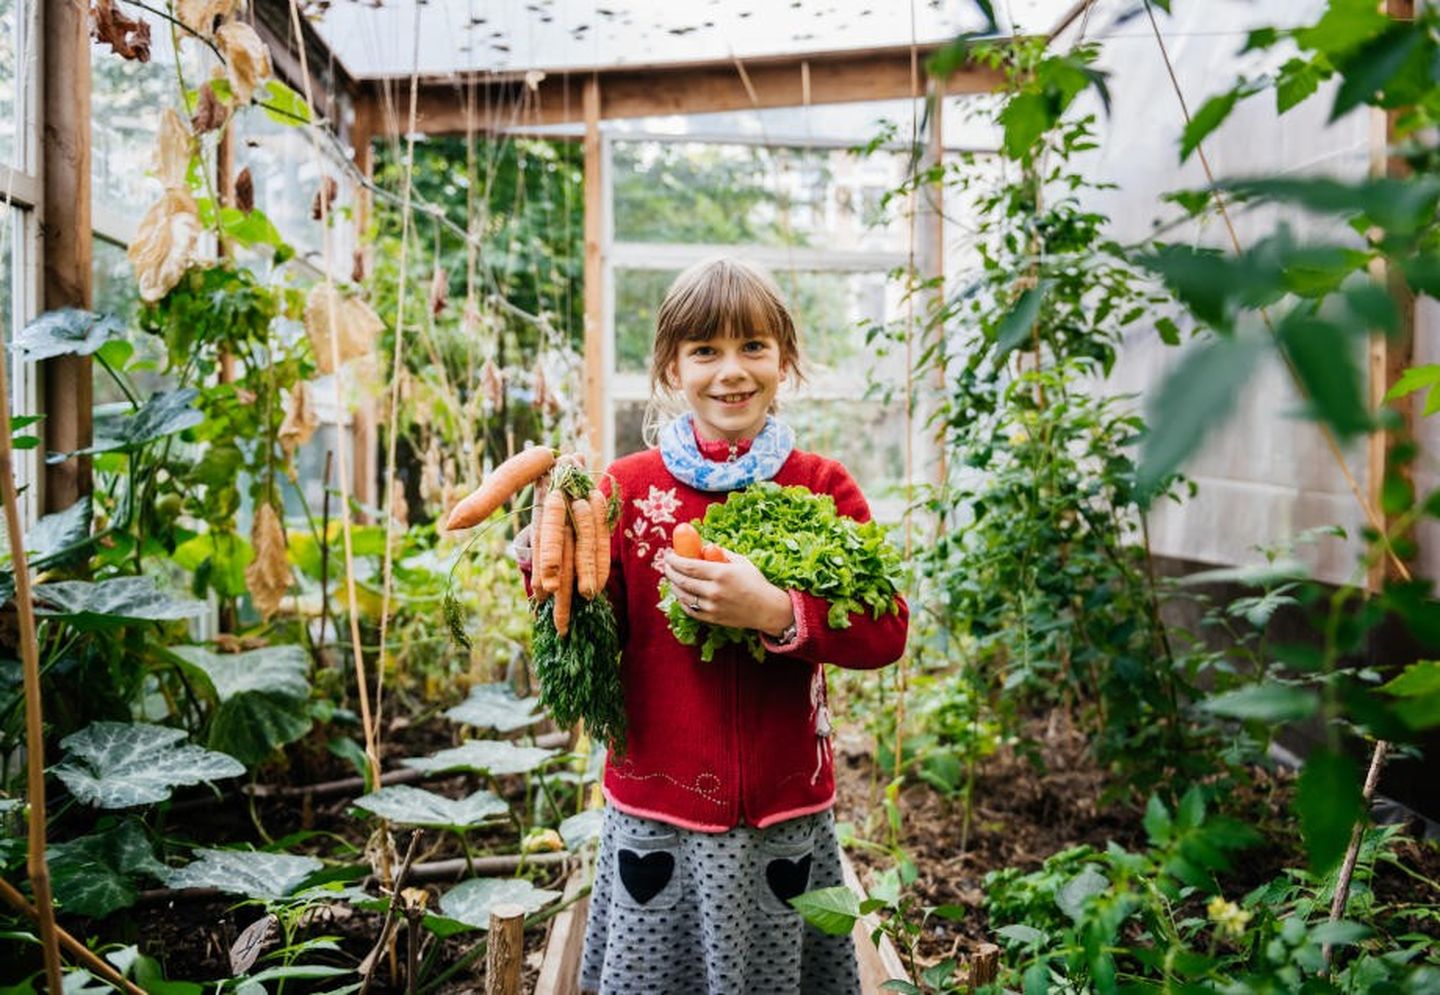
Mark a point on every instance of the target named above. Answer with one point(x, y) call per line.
point(300, 421)
point(268, 575)
point(247, 58)
point(173, 146)
point(439, 290)
point(324, 198)
point(244, 191)
point(210, 113)
point(127, 37)
point(200, 15)
point(164, 244)
point(356, 327)
point(492, 384)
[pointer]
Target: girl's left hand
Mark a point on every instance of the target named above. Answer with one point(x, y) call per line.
point(734, 594)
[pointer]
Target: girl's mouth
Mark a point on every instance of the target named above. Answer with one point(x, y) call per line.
point(736, 400)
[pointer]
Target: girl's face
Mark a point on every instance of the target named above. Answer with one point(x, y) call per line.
point(729, 383)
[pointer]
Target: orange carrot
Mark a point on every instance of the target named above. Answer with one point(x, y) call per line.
point(504, 482)
point(537, 520)
point(552, 541)
point(686, 541)
point(713, 553)
point(601, 509)
point(584, 517)
point(566, 591)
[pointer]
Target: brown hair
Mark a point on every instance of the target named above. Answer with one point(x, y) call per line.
point(723, 296)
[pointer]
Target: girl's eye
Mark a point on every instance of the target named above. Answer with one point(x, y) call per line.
point(755, 345)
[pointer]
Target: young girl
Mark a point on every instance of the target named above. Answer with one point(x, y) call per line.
point(720, 809)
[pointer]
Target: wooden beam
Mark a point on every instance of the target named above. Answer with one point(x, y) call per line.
point(595, 398)
point(365, 422)
point(65, 382)
point(1389, 357)
point(502, 102)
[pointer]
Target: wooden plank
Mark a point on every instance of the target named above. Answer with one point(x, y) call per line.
point(680, 88)
point(595, 397)
point(1389, 357)
point(560, 970)
point(66, 386)
point(877, 965)
point(364, 426)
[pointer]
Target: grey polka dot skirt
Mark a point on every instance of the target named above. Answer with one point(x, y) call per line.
point(678, 912)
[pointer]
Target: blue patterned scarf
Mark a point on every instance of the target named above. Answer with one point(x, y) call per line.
point(684, 460)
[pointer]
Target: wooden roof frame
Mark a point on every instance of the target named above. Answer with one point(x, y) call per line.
point(503, 102)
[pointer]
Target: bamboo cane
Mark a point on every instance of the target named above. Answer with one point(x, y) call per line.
point(34, 731)
point(92, 961)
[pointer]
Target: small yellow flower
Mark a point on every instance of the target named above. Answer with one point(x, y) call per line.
point(542, 841)
point(1230, 918)
point(1019, 437)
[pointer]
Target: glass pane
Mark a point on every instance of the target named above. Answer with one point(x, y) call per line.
point(734, 194)
point(867, 436)
point(831, 312)
point(125, 104)
point(286, 177)
point(629, 427)
point(11, 82)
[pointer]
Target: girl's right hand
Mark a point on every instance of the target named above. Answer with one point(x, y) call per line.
point(521, 545)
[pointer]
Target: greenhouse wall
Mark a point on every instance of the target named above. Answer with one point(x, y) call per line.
point(1267, 475)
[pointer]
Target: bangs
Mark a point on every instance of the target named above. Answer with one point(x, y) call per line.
point(733, 305)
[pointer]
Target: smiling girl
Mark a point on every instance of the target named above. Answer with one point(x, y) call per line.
point(720, 809)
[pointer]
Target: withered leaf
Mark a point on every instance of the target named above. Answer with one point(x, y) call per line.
point(324, 198)
point(244, 191)
point(127, 37)
point(210, 113)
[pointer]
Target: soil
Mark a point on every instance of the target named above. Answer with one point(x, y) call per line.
point(1025, 812)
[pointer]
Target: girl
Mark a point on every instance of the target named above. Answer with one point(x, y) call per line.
point(720, 809)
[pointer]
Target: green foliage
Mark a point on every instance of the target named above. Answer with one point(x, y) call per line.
point(121, 765)
point(408, 806)
point(260, 697)
point(799, 542)
point(255, 874)
point(470, 901)
point(579, 673)
point(97, 874)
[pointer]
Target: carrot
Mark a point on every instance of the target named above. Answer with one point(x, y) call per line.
point(713, 553)
point(686, 541)
point(584, 517)
point(504, 482)
point(601, 509)
point(542, 490)
point(564, 594)
point(552, 541)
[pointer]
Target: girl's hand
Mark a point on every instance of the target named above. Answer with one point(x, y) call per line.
point(734, 594)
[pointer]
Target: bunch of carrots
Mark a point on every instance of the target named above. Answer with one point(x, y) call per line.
point(576, 645)
point(570, 529)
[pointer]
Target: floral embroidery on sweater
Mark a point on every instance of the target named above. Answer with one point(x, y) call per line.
point(656, 509)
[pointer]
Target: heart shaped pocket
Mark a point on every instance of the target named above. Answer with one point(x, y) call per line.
point(645, 877)
point(788, 878)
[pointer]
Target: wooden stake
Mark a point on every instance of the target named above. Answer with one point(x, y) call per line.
point(984, 965)
point(505, 950)
point(594, 274)
point(82, 953)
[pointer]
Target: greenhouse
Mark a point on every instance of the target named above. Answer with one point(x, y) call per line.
point(821, 496)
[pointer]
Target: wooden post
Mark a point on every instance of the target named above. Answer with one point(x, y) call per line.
point(560, 969)
point(984, 965)
point(932, 267)
point(595, 398)
point(505, 952)
point(65, 382)
point(364, 425)
point(1389, 357)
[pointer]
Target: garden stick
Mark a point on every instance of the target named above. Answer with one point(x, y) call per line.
point(35, 864)
point(372, 732)
point(367, 966)
point(1377, 759)
point(92, 961)
point(984, 966)
point(506, 950)
point(1352, 852)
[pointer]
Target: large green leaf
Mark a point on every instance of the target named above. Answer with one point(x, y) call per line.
point(164, 414)
point(1265, 702)
point(1015, 328)
point(262, 695)
point(1072, 896)
point(1329, 802)
point(67, 332)
point(1323, 357)
point(418, 807)
point(830, 910)
point(120, 764)
point(495, 706)
point(60, 530)
point(1193, 400)
point(110, 603)
point(1401, 206)
point(1373, 66)
point(471, 901)
point(245, 872)
point(581, 828)
point(280, 670)
point(96, 874)
point(1210, 116)
point(491, 755)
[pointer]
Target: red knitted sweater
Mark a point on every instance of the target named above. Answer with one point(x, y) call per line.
point(712, 745)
